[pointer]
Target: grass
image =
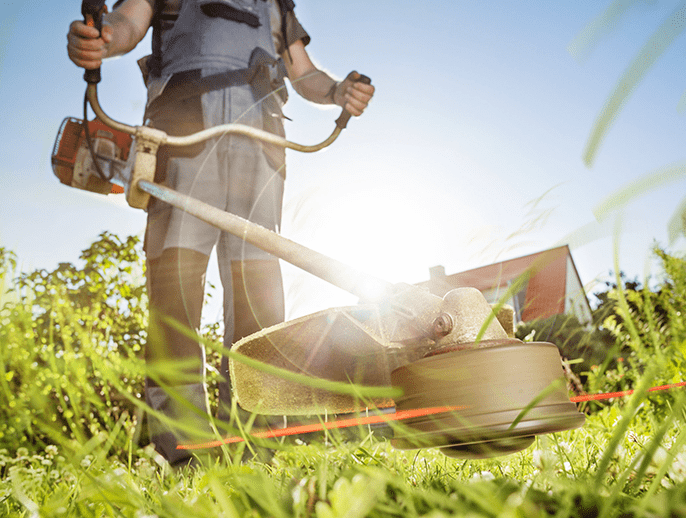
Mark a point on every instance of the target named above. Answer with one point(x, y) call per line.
point(557, 476)
point(72, 444)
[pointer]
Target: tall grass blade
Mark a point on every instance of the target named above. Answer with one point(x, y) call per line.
point(677, 223)
point(659, 178)
point(623, 425)
point(584, 43)
point(656, 45)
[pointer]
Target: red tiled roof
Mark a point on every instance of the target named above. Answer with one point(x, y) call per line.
point(545, 289)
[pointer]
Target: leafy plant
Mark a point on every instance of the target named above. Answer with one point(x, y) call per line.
point(648, 329)
point(71, 345)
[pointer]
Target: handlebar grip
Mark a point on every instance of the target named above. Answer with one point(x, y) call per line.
point(343, 119)
point(92, 11)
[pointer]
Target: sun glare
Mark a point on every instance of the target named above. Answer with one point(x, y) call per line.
point(375, 231)
point(382, 231)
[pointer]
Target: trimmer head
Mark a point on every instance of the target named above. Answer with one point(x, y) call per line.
point(502, 394)
point(359, 344)
point(498, 392)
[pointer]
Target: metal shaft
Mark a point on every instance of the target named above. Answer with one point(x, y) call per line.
point(341, 275)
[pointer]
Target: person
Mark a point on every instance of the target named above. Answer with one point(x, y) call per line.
point(213, 62)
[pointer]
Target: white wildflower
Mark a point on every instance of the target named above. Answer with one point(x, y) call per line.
point(565, 447)
point(484, 475)
point(677, 471)
point(51, 451)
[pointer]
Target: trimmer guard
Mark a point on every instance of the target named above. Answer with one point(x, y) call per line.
point(340, 344)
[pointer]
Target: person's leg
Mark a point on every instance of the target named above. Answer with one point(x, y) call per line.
point(253, 300)
point(178, 246)
point(258, 296)
point(175, 388)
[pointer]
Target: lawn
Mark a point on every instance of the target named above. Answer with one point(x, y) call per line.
point(72, 443)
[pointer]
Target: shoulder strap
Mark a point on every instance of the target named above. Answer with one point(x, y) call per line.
point(285, 6)
point(155, 61)
point(158, 18)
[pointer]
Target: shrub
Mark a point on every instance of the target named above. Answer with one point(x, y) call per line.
point(649, 334)
point(70, 343)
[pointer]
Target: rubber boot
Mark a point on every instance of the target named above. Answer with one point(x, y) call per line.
point(177, 403)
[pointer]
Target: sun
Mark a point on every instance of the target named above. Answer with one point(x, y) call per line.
point(376, 230)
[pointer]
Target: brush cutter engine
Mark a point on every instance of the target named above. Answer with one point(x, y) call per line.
point(97, 171)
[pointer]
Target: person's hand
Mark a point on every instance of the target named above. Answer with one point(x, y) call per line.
point(86, 46)
point(353, 95)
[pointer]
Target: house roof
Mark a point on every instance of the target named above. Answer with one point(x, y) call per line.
point(543, 275)
point(502, 273)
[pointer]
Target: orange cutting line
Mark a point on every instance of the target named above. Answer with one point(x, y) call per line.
point(610, 395)
point(396, 416)
point(317, 427)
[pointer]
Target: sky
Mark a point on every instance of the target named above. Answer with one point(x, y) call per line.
point(470, 152)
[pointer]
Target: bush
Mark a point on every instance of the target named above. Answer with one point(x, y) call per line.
point(647, 326)
point(71, 343)
point(582, 344)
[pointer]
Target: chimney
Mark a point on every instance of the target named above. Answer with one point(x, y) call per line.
point(437, 273)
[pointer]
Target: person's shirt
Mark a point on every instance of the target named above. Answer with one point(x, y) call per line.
point(294, 30)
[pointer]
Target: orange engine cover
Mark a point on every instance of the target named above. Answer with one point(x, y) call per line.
point(71, 150)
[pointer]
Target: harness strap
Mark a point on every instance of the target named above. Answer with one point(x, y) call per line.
point(285, 6)
point(189, 84)
point(154, 61)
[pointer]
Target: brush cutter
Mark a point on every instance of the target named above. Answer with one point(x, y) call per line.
point(451, 353)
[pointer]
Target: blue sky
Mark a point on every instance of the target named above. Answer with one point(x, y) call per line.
point(471, 151)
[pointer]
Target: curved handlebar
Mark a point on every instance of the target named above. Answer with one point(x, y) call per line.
point(93, 11)
point(218, 131)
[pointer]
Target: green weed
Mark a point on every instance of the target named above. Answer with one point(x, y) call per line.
point(72, 443)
